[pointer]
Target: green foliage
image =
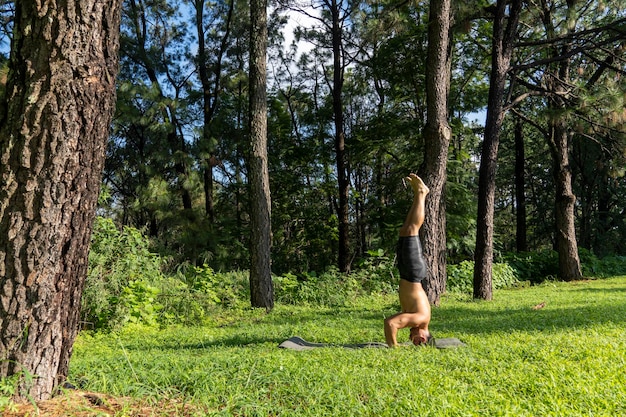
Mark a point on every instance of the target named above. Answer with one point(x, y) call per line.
point(126, 284)
point(8, 388)
point(374, 274)
point(377, 273)
point(534, 267)
point(166, 139)
point(460, 206)
point(461, 276)
point(602, 267)
point(140, 300)
point(324, 290)
point(120, 285)
point(226, 289)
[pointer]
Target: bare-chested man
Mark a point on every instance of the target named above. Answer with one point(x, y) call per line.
point(412, 266)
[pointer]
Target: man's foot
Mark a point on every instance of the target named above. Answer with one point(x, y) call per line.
point(417, 184)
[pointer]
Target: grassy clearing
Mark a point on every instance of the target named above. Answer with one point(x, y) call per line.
point(566, 359)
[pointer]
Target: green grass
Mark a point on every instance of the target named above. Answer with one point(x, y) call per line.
point(567, 359)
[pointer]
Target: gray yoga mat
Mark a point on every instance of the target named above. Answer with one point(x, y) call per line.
point(298, 343)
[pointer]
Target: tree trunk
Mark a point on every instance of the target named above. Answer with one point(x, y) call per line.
point(210, 95)
point(557, 82)
point(340, 141)
point(566, 244)
point(437, 134)
point(53, 133)
point(520, 187)
point(504, 34)
point(261, 287)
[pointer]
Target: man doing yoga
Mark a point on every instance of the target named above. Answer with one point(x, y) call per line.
point(412, 266)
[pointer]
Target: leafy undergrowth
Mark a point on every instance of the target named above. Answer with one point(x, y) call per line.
point(556, 349)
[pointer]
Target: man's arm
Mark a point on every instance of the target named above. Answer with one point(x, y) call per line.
point(391, 332)
point(399, 321)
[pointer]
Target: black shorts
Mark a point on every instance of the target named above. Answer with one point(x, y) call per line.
point(411, 263)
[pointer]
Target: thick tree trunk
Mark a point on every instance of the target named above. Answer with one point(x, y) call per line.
point(261, 287)
point(566, 243)
point(557, 82)
point(53, 134)
point(437, 134)
point(504, 33)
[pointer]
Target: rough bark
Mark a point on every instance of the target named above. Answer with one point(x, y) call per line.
point(54, 128)
point(261, 287)
point(566, 243)
point(437, 134)
point(504, 34)
point(557, 82)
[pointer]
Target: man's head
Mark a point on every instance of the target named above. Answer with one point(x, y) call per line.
point(420, 336)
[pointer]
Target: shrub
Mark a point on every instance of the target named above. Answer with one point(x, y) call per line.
point(330, 288)
point(125, 284)
point(534, 267)
point(602, 267)
point(121, 280)
point(376, 273)
point(461, 277)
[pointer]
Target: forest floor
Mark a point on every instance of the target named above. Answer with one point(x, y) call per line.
point(76, 403)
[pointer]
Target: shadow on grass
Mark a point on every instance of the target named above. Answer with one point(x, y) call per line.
point(549, 319)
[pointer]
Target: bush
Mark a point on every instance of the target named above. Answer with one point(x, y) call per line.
point(461, 277)
point(225, 289)
point(602, 267)
point(375, 274)
point(537, 267)
point(126, 284)
point(534, 267)
point(121, 280)
point(328, 289)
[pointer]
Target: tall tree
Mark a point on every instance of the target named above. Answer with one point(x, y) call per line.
point(572, 41)
point(331, 35)
point(150, 33)
point(210, 75)
point(261, 287)
point(506, 19)
point(338, 17)
point(54, 125)
point(437, 134)
point(557, 82)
